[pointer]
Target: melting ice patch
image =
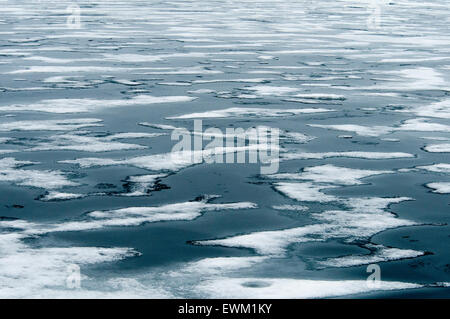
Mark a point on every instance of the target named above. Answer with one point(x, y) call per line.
point(351, 154)
point(133, 216)
point(358, 129)
point(252, 134)
point(298, 208)
point(440, 188)
point(218, 265)
point(378, 253)
point(250, 112)
point(287, 288)
point(69, 69)
point(28, 272)
point(49, 125)
point(437, 148)
point(77, 142)
point(306, 192)
point(10, 172)
point(38, 272)
point(438, 109)
point(58, 196)
point(143, 184)
point(421, 78)
point(419, 125)
point(130, 216)
point(173, 161)
point(92, 105)
point(366, 217)
point(437, 168)
point(266, 90)
point(330, 174)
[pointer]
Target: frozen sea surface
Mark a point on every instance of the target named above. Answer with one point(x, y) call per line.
point(360, 91)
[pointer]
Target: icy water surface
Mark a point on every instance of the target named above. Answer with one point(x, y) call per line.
point(360, 93)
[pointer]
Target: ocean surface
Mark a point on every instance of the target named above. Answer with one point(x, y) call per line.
point(94, 205)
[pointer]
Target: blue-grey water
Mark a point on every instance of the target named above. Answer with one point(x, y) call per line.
point(364, 85)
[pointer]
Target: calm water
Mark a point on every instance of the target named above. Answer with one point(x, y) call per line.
point(359, 90)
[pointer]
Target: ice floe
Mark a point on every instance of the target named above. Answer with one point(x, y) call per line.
point(437, 148)
point(49, 125)
point(288, 288)
point(437, 168)
point(29, 272)
point(299, 208)
point(419, 125)
point(76, 142)
point(438, 110)
point(250, 112)
point(91, 105)
point(307, 192)
point(378, 253)
point(58, 196)
point(366, 217)
point(441, 188)
point(172, 161)
point(358, 129)
point(330, 174)
point(11, 172)
point(351, 154)
point(143, 184)
point(219, 265)
point(130, 216)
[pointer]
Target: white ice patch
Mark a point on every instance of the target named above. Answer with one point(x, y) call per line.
point(194, 70)
point(422, 125)
point(351, 154)
point(358, 129)
point(250, 135)
point(284, 288)
point(201, 91)
point(10, 172)
point(320, 96)
point(330, 174)
point(266, 90)
point(252, 80)
point(440, 188)
point(173, 161)
point(92, 105)
point(159, 126)
point(418, 125)
point(439, 110)
point(130, 216)
point(437, 168)
point(132, 135)
point(58, 196)
point(306, 192)
point(378, 254)
point(421, 78)
point(142, 184)
point(73, 142)
point(437, 148)
point(28, 272)
point(250, 112)
point(298, 208)
point(366, 217)
point(49, 125)
point(69, 69)
point(219, 265)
